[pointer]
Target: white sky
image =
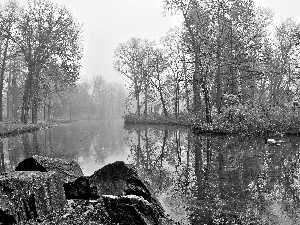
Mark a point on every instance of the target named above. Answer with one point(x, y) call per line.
point(106, 23)
point(283, 8)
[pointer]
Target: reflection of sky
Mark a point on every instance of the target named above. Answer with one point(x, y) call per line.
point(89, 164)
point(93, 143)
point(106, 146)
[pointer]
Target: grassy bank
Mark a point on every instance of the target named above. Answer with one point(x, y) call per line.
point(9, 128)
point(181, 120)
point(259, 120)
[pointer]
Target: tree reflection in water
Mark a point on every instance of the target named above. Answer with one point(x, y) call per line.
point(92, 143)
point(219, 179)
point(201, 179)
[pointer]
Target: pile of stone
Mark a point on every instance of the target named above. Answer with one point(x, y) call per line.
point(53, 191)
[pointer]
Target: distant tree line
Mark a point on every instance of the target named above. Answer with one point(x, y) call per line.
point(40, 52)
point(95, 99)
point(226, 54)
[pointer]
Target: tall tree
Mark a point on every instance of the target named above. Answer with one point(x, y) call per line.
point(132, 62)
point(8, 15)
point(45, 32)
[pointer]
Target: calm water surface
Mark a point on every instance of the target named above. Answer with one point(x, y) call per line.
point(199, 179)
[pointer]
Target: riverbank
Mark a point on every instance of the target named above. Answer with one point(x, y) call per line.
point(189, 121)
point(256, 121)
point(182, 119)
point(8, 128)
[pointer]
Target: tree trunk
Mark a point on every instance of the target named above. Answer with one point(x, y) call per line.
point(138, 104)
point(162, 97)
point(218, 56)
point(44, 110)
point(15, 93)
point(196, 82)
point(34, 115)
point(2, 78)
point(8, 97)
point(137, 96)
point(176, 103)
point(163, 104)
point(26, 98)
point(187, 96)
point(218, 83)
point(146, 96)
point(233, 72)
point(206, 99)
point(207, 106)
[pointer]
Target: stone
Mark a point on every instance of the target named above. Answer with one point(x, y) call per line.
point(26, 195)
point(121, 197)
point(80, 189)
point(131, 209)
point(125, 195)
point(116, 178)
point(6, 219)
point(69, 170)
point(119, 178)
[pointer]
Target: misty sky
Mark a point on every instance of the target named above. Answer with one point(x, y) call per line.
point(106, 23)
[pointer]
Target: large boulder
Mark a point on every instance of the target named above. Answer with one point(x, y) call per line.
point(69, 170)
point(116, 178)
point(119, 178)
point(128, 200)
point(30, 194)
point(112, 195)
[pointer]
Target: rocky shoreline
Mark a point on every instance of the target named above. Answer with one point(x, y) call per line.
point(53, 191)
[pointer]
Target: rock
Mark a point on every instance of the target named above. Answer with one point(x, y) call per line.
point(69, 170)
point(131, 209)
point(109, 180)
point(113, 179)
point(80, 189)
point(119, 178)
point(6, 219)
point(134, 204)
point(112, 195)
point(30, 194)
point(81, 212)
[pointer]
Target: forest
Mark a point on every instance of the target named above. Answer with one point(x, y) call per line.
point(228, 68)
point(226, 79)
point(41, 47)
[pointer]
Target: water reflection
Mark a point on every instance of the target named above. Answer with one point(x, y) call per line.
point(91, 143)
point(219, 180)
point(200, 179)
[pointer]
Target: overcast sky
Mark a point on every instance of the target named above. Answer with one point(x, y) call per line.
point(106, 23)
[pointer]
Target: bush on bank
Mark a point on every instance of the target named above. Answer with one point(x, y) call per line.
point(236, 119)
point(156, 118)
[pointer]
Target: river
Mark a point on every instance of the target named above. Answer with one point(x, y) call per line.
point(199, 179)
